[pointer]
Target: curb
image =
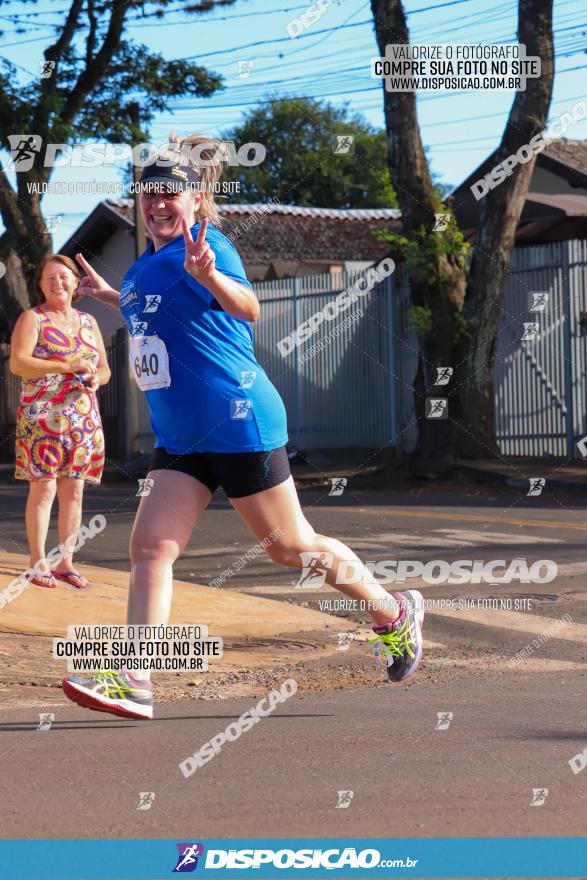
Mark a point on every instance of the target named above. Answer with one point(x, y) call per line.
point(498, 478)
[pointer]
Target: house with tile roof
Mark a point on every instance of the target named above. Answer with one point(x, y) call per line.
point(279, 241)
point(556, 204)
point(275, 241)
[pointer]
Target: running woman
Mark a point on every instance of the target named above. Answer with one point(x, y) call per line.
point(216, 417)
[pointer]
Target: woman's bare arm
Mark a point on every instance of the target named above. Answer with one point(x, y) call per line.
point(235, 298)
point(102, 374)
point(22, 361)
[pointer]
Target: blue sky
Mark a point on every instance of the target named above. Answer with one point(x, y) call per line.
point(331, 60)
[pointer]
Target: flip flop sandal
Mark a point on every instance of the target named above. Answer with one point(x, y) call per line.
point(44, 577)
point(67, 578)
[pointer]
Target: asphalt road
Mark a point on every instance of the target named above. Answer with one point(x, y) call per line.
point(447, 523)
point(426, 523)
point(507, 737)
point(510, 733)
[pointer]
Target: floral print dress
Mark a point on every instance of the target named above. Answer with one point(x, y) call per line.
point(58, 429)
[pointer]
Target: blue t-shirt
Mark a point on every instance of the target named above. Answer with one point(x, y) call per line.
point(219, 399)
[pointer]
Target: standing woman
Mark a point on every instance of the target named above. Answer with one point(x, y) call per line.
point(217, 420)
point(59, 353)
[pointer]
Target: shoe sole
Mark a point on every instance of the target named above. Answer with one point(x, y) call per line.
point(37, 583)
point(88, 700)
point(418, 600)
point(63, 580)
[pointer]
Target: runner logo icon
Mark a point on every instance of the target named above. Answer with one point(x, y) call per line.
point(444, 719)
point(344, 799)
point(23, 150)
point(343, 144)
point(241, 409)
point(153, 302)
point(537, 484)
point(539, 795)
point(443, 375)
point(46, 719)
point(187, 860)
point(538, 301)
point(315, 567)
point(441, 221)
point(344, 641)
point(436, 408)
point(530, 331)
point(47, 68)
point(247, 378)
point(146, 799)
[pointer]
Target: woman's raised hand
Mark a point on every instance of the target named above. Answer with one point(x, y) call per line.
point(91, 283)
point(200, 259)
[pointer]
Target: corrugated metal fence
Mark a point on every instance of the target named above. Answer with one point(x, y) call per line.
point(350, 384)
point(357, 390)
point(339, 385)
point(540, 382)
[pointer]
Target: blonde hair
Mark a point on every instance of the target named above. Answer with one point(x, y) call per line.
point(208, 156)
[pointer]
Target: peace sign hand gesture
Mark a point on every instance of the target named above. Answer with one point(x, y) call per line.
point(200, 259)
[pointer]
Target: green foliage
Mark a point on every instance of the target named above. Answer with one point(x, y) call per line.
point(420, 320)
point(300, 167)
point(461, 327)
point(133, 74)
point(426, 251)
point(134, 79)
point(430, 257)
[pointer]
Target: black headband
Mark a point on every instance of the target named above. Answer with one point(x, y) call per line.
point(182, 176)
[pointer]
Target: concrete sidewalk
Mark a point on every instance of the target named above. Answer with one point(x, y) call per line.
point(260, 635)
point(226, 613)
point(560, 474)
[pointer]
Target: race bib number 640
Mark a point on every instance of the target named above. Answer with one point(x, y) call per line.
point(149, 362)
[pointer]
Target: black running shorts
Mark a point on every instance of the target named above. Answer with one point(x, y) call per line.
point(239, 473)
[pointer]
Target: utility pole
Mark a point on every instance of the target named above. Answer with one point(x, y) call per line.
point(140, 231)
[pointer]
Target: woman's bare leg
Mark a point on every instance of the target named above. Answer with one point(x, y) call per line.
point(278, 511)
point(70, 493)
point(38, 516)
point(163, 525)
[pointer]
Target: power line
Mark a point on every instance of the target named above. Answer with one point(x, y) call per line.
point(208, 104)
point(276, 40)
point(253, 85)
point(423, 125)
point(217, 18)
point(323, 39)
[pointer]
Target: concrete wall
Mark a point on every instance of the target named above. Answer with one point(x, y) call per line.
point(112, 263)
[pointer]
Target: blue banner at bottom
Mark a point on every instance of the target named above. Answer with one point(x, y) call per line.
point(298, 857)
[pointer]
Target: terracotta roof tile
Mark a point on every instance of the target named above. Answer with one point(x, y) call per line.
point(571, 152)
point(296, 234)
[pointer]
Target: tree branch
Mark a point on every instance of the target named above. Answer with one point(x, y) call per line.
point(40, 120)
point(91, 41)
point(9, 209)
point(93, 73)
point(502, 207)
point(54, 52)
point(409, 165)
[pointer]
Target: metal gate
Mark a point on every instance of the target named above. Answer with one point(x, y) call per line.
point(357, 391)
point(540, 382)
point(340, 385)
